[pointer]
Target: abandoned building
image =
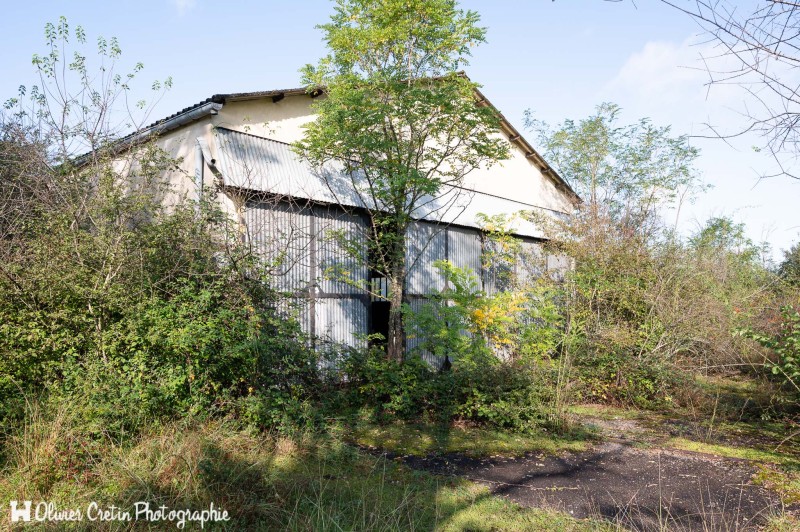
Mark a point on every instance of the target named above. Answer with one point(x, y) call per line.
point(241, 144)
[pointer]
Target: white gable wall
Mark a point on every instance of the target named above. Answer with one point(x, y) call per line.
point(516, 178)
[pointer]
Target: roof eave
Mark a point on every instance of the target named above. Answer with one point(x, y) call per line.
point(187, 116)
point(530, 152)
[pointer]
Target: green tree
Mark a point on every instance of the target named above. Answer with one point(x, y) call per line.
point(789, 268)
point(112, 300)
point(630, 171)
point(723, 235)
point(399, 119)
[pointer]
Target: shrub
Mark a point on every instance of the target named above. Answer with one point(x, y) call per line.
point(516, 396)
point(785, 345)
point(475, 328)
point(141, 312)
point(408, 390)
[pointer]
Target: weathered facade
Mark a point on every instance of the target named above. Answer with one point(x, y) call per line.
point(296, 219)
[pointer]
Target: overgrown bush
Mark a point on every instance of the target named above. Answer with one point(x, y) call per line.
point(784, 344)
point(512, 395)
point(648, 311)
point(135, 311)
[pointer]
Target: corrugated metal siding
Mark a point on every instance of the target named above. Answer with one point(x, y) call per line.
point(425, 244)
point(342, 321)
point(281, 234)
point(338, 235)
point(530, 261)
point(262, 164)
point(302, 243)
point(464, 248)
point(285, 235)
point(557, 266)
point(266, 165)
point(497, 274)
point(413, 343)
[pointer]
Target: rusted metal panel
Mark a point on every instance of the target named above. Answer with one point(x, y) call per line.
point(425, 244)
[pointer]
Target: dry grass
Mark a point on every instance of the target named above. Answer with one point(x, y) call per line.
point(266, 482)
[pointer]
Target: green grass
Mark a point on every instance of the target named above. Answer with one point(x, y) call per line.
point(738, 385)
point(782, 523)
point(266, 483)
point(606, 412)
point(730, 451)
point(422, 440)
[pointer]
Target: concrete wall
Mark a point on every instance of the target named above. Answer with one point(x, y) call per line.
point(516, 178)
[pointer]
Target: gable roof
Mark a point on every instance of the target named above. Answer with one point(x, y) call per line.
point(214, 103)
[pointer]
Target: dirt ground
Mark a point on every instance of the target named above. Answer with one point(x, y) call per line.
point(642, 489)
point(632, 478)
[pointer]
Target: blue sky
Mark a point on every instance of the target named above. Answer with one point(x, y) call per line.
point(559, 59)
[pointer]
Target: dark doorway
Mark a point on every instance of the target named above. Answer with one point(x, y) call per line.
point(379, 321)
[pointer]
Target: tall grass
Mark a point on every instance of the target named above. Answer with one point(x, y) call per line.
point(265, 482)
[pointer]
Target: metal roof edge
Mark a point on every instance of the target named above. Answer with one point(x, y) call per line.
point(249, 194)
point(530, 152)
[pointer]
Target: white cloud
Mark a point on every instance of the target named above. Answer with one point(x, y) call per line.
point(661, 69)
point(668, 82)
point(184, 6)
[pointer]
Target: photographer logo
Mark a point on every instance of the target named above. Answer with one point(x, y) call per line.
point(20, 514)
point(44, 511)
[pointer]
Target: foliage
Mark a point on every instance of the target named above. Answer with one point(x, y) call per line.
point(520, 319)
point(645, 309)
point(131, 307)
point(398, 121)
point(140, 320)
point(515, 396)
point(407, 390)
point(631, 170)
point(443, 326)
point(81, 103)
point(789, 268)
point(647, 312)
point(785, 344)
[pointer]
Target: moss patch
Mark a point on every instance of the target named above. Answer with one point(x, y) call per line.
point(606, 412)
point(421, 440)
point(729, 451)
point(781, 480)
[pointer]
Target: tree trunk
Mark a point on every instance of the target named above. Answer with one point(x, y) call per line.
point(394, 343)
